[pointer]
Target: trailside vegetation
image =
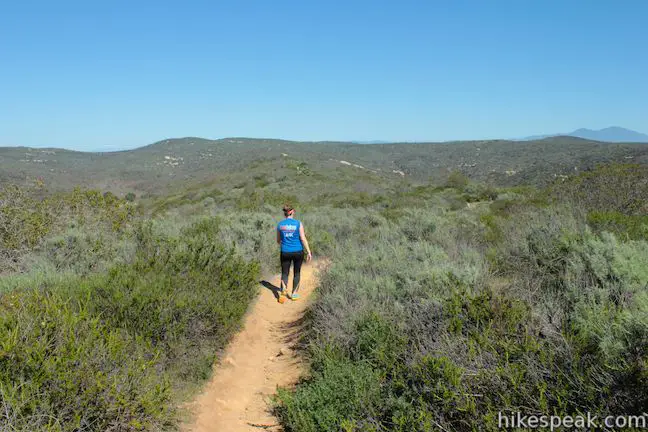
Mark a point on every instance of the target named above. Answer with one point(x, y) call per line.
point(444, 303)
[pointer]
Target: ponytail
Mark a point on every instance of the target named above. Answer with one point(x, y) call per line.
point(288, 210)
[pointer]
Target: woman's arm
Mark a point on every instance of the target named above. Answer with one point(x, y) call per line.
point(278, 236)
point(302, 236)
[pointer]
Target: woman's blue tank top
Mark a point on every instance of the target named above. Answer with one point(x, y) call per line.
point(289, 230)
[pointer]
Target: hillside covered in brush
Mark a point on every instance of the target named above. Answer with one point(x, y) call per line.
point(453, 292)
point(172, 164)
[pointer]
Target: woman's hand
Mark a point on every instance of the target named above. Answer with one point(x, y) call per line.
point(309, 256)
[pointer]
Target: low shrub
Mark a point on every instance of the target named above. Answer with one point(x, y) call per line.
point(457, 180)
point(63, 369)
point(461, 315)
point(634, 227)
point(26, 218)
point(82, 251)
point(621, 188)
point(475, 192)
point(104, 352)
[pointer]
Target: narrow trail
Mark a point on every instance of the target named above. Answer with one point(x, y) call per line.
point(257, 360)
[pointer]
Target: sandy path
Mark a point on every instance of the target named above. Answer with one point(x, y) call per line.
point(258, 359)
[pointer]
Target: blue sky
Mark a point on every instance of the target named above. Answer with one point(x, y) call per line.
point(105, 75)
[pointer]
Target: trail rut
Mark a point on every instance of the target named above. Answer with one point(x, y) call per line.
point(257, 360)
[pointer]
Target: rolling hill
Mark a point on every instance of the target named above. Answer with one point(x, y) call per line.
point(174, 163)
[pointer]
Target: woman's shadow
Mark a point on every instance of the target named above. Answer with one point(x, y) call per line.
point(276, 291)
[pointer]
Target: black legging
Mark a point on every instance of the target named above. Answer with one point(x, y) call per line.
point(297, 258)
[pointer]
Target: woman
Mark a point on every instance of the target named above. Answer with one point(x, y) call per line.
point(291, 237)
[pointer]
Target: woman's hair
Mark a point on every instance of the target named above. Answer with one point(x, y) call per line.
point(287, 209)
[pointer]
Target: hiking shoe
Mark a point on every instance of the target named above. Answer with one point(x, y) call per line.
point(281, 298)
point(294, 297)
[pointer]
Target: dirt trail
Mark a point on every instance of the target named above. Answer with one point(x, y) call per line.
point(258, 359)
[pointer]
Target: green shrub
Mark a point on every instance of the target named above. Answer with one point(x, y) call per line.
point(377, 342)
point(355, 200)
point(83, 251)
point(103, 352)
point(621, 188)
point(339, 396)
point(63, 369)
point(26, 219)
point(633, 227)
point(300, 167)
point(457, 180)
point(261, 181)
point(418, 225)
point(411, 295)
point(277, 198)
point(474, 192)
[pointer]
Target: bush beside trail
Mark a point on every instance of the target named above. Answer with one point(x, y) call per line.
point(30, 216)
point(440, 318)
point(108, 351)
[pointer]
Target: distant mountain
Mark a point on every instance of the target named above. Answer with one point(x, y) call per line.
point(372, 142)
point(610, 134)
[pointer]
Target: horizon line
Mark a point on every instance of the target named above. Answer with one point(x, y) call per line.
point(116, 149)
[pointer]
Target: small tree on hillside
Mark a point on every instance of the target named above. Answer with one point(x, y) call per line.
point(457, 180)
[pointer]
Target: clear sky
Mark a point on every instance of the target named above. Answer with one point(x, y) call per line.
point(95, 75)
